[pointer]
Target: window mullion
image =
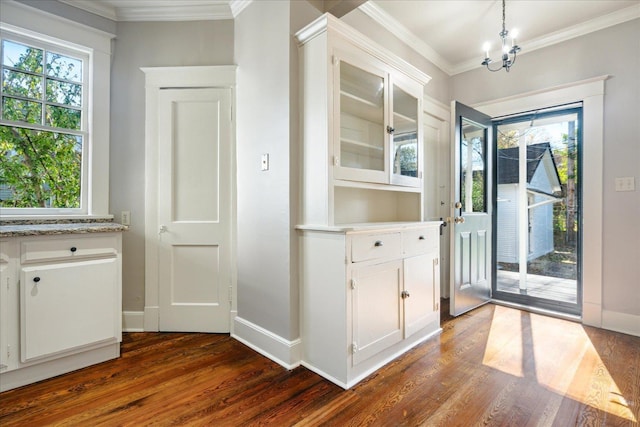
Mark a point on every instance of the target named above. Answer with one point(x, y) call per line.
point(43, 121)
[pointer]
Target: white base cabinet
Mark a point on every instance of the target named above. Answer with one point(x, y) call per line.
point(60, 304)
point(368, 294)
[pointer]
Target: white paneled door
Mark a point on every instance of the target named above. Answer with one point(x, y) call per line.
point(194, 209)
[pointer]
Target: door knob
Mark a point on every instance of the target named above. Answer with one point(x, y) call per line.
point(458, 220)
point(458, 205)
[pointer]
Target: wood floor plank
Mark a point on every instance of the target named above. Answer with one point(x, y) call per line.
point(495, 366)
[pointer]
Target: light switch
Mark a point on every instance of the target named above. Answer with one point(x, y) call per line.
point(265, 162)
point(626, 183)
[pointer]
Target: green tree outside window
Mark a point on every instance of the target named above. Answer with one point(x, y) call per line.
point(40, 154)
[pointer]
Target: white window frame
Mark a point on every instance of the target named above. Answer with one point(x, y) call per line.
point(23, 23)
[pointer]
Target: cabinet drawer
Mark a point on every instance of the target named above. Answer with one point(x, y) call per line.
point(68, 248)
point(376, 246)
point(420, 241)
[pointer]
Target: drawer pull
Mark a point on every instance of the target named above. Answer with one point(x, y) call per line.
point(421, 238)
point(73, 249)
point(378, 243)
point(36, 279)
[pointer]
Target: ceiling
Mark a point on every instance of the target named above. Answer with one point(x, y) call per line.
point(449, 33)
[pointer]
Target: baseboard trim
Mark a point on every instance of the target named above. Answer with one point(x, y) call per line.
point(133, 321)
point(621, 322)
point(282, 351)
point(151, 322)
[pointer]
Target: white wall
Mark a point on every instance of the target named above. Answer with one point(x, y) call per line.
point(148, 44)
point(264, 206)
point(612, 51)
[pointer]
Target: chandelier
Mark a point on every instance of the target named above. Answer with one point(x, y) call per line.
point(509, 53)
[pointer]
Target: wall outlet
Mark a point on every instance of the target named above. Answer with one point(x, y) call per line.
point(626, 183)
point(125, 218)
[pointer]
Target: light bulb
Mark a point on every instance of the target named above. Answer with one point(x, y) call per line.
point(486, 46)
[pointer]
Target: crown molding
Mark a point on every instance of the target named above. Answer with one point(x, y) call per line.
point(397, 29)
point(237, 6)
point(185, 10)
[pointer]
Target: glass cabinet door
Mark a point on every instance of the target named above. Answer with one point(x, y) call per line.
point(406, 153)
point(362, 133)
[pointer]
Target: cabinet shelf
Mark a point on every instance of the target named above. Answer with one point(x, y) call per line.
point(361, 108)
point(360, 144)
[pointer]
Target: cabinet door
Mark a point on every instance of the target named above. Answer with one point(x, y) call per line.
point(406, 159)
point(8, 308)
point(66, 306)
point(422, 292)
point(376, 308)
point(360, 125)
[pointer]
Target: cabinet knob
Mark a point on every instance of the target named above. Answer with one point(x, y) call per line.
point(390, 130)
point(378, 243)
point(405, 294)
point(73, 249)
point(421, 238)
point(36, 279)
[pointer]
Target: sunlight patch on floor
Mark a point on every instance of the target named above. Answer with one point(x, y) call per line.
point(557, 354)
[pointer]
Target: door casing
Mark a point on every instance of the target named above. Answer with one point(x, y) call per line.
point(157, 78)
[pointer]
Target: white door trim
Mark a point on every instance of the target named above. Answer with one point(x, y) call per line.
point(591, 93)
point(157, 78)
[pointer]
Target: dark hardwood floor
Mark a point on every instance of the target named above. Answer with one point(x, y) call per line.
point(495, 366)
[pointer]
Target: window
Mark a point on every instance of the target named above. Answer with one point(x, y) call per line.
point(55, 83)
point(42, 125)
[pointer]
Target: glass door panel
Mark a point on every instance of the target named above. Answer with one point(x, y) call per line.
point(406, 156)
point(538, 205)
point(473, 167)
point(362, 133)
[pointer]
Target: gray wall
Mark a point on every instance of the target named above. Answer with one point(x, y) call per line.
point(148, 44)
point(614, 51)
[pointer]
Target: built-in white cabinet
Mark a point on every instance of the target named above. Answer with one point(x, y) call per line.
point(369, 263)
point(8, 305)
point(362, 129)
point(60, 304)
point(369, 294)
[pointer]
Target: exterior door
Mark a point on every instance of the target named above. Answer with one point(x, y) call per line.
point(471, 211)
point(194, 209)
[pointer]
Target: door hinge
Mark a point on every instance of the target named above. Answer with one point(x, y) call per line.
point(353, 283)
point(354, 347)
point(436, 261)
point(336, 161)
point(230, 294)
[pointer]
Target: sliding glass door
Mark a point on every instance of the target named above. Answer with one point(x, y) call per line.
point(537, 221)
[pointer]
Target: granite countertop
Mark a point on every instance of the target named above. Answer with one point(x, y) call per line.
point(9, 229)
